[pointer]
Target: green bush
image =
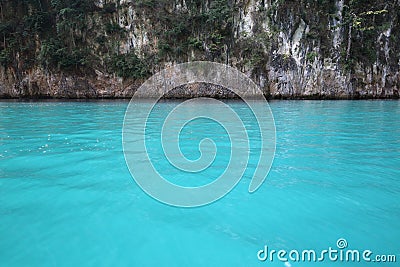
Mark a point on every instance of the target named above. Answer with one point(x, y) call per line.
point(54, 54)
point(109, 8)
point(114, 28)
point(311, 56)
point(5, 57)
point(195, 42)
point(129, 66)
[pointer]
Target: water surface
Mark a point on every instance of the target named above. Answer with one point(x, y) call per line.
point(67, 197)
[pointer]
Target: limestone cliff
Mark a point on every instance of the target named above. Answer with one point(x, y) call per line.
point(292, 49)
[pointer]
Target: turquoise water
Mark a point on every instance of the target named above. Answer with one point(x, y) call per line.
point(67, 197)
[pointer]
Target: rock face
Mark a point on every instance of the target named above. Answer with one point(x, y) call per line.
point(292, 49)
point(38, 84)
point(201, 89)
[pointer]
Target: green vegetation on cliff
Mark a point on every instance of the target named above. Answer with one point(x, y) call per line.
point(132, 39)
